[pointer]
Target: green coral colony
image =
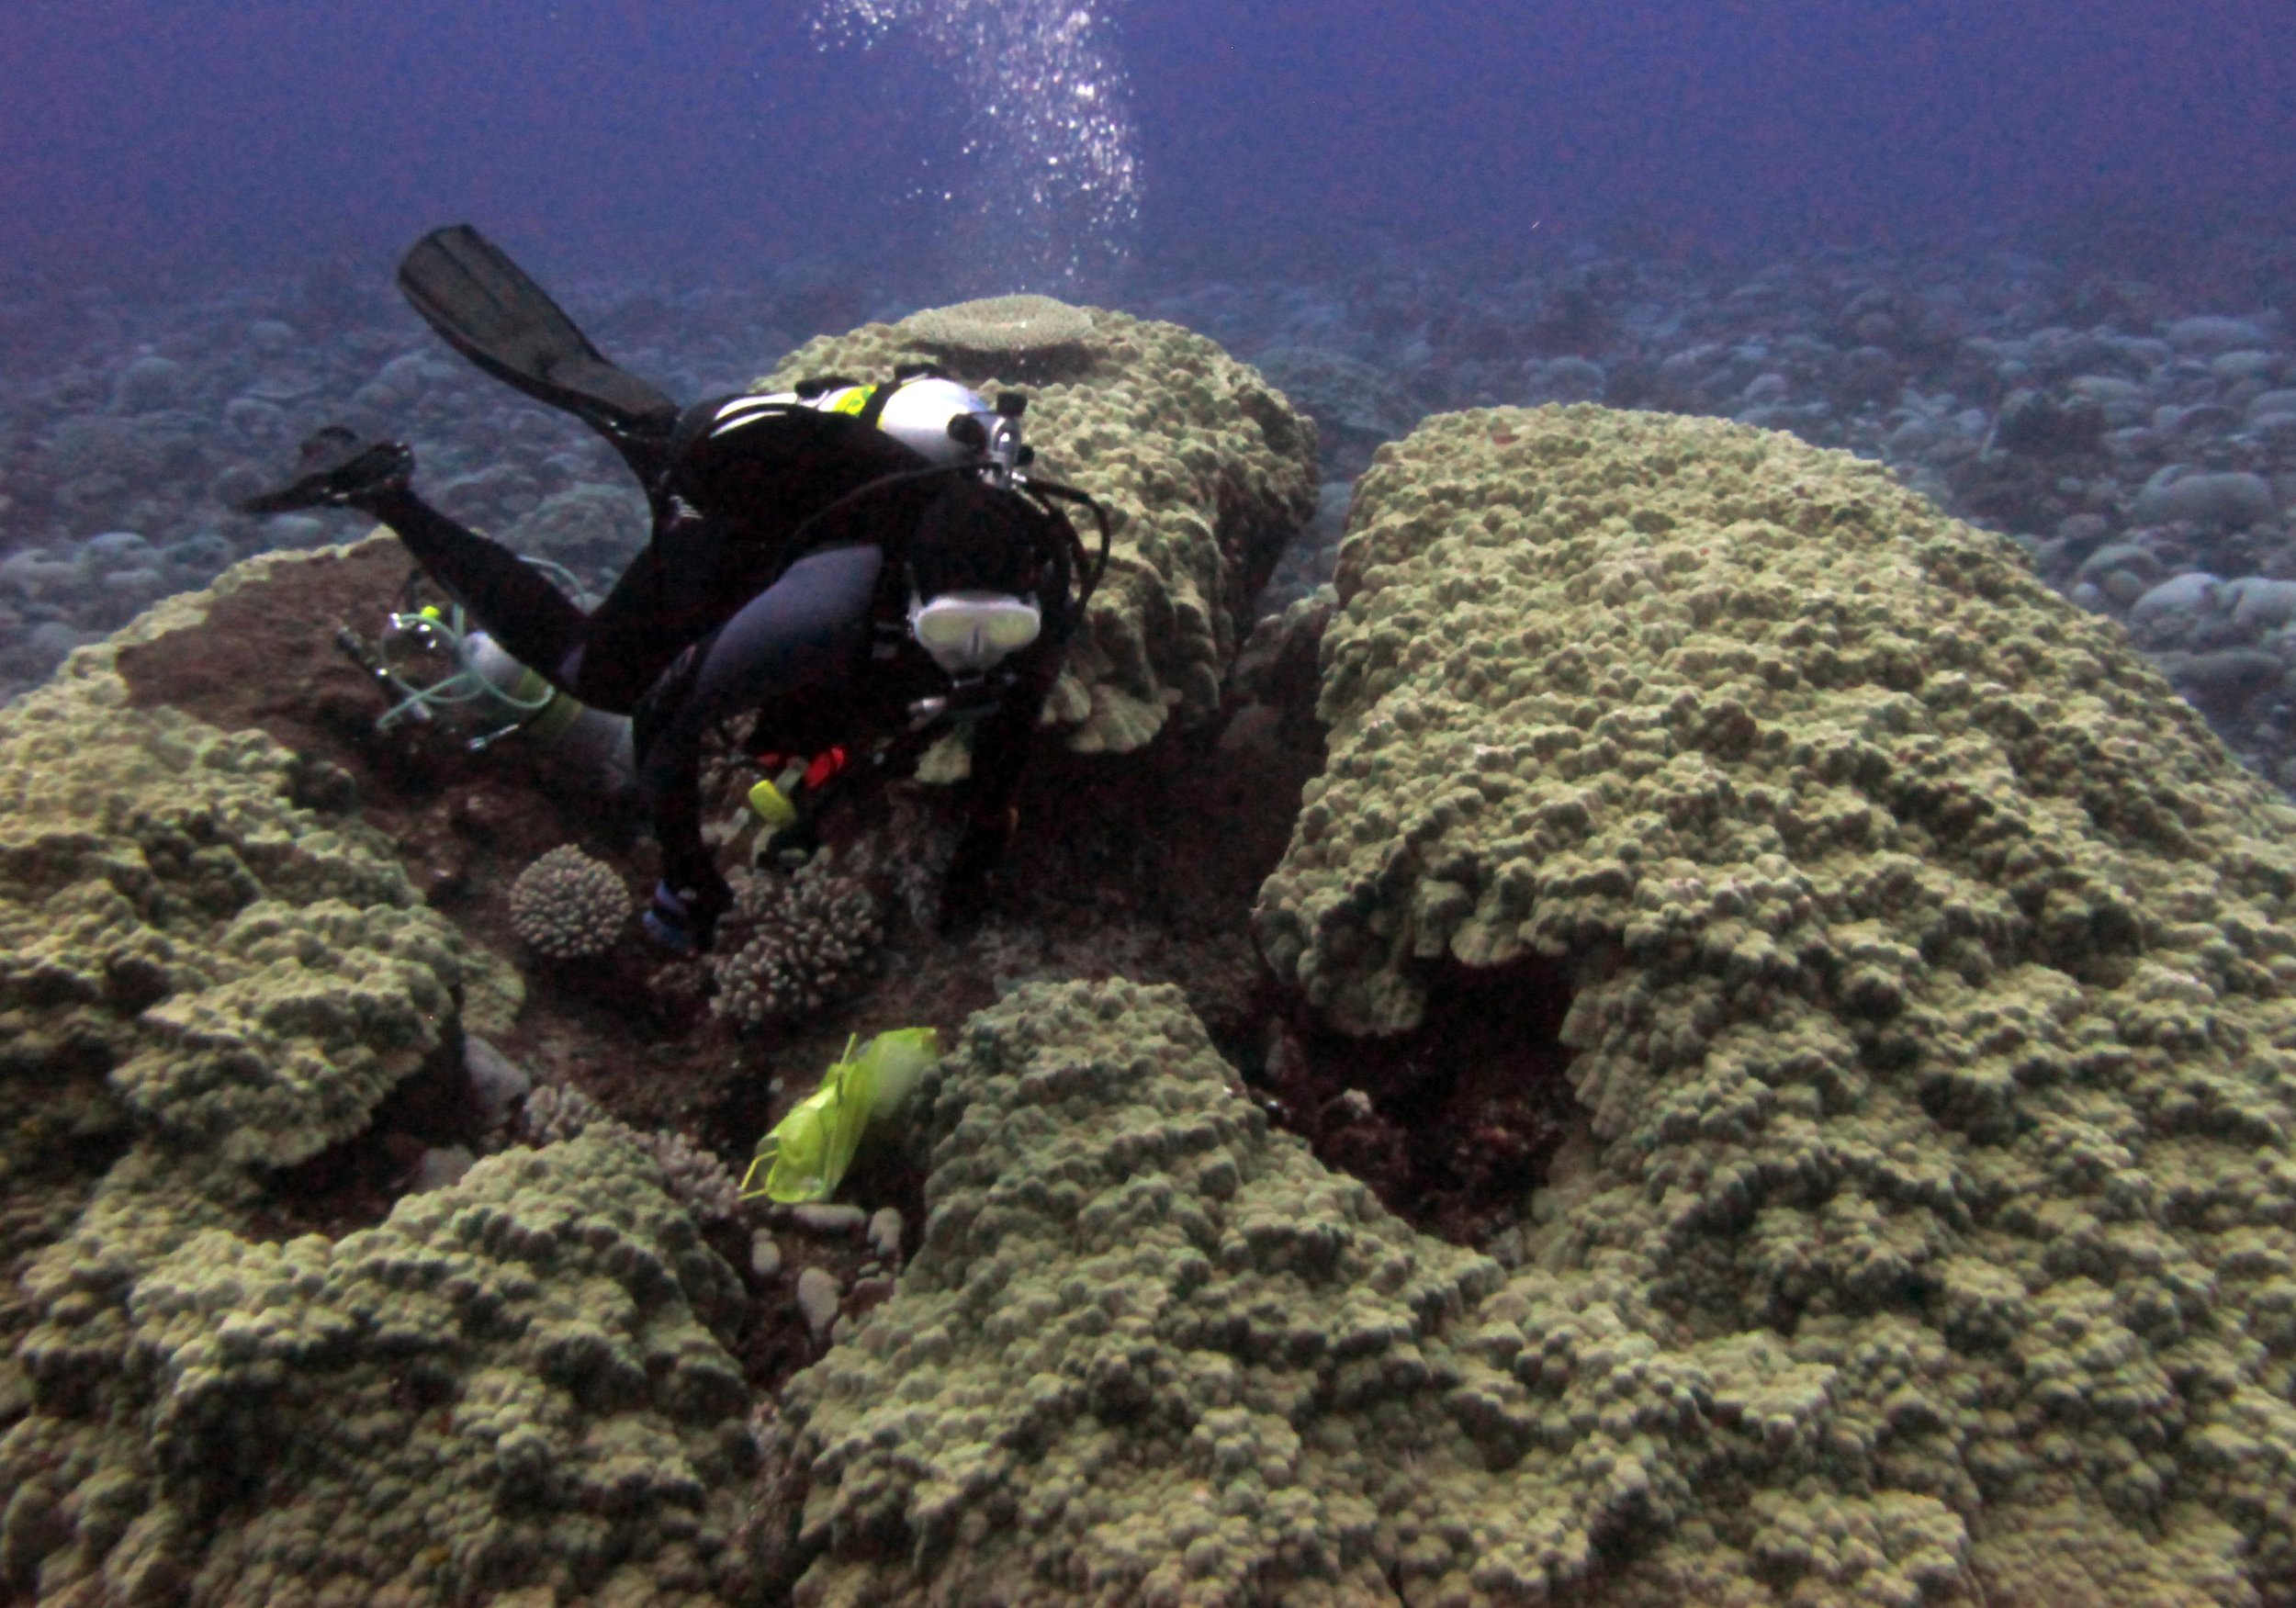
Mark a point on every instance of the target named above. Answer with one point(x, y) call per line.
point(1930, 1238)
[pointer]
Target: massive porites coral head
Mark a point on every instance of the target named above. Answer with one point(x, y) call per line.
point(1931, 977)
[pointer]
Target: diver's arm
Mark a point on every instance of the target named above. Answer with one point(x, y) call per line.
point(1001, 745)
point(671, 596)
point(806, 631)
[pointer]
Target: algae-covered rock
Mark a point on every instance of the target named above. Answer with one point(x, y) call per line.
point(1206, 470)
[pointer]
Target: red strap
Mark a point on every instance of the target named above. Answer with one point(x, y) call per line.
point(824, 765)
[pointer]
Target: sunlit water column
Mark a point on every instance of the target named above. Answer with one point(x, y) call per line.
point(1045, 188)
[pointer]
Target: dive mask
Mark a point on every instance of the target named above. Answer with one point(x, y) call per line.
point(968, 633)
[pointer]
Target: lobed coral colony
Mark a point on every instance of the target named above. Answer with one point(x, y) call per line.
point(1924, 1229)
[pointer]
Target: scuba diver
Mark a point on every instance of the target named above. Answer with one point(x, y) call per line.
point(853, 562)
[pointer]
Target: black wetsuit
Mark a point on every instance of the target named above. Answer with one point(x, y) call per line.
point(778, 549)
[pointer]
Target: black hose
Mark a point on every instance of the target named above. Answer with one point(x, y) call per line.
point(1098, 565)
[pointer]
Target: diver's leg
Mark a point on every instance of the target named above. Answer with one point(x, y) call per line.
point(534, 622)
point(693, 893)
point(809, 629)
point(805, 630)
point(671, 596)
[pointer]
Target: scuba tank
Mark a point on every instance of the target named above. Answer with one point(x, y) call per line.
point(435, 667)
point(568, 727)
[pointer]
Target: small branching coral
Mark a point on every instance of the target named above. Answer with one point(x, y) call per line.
point(793, 943)
point(695, 1179)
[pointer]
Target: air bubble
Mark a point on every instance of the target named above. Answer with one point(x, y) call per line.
point(1049, 136)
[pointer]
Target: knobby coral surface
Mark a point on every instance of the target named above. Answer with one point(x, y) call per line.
point(511, 1383)
point(1147, 1352)
point(1206, 470)
point(1933, 977)
point(1150, 1352)
point(245, 974)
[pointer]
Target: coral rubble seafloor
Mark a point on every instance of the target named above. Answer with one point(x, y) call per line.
point(1920, 1229)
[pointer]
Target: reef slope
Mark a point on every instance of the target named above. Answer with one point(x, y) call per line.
point(1932, 1005)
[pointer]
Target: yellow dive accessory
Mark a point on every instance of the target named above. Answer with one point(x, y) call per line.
point(769, 798)
point(805, 1156)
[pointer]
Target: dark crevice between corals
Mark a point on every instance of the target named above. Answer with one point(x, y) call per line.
point(1454, 1124)
point(352, 1183)
point(775, 1342)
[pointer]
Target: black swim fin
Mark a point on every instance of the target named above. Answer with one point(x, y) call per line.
point(336, 469)
point(484, 306)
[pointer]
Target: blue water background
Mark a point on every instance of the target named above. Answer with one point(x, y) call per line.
point(148, 144)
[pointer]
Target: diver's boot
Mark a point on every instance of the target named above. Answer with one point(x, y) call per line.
point(336, 469)
point(668, 921)
point(684, 920)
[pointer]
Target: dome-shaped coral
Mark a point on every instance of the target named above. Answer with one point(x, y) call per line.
point(568, 906)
